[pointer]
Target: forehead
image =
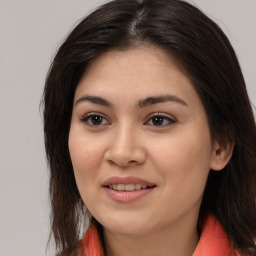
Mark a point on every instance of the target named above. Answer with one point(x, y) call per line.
point(143, 67)
point(140, 54)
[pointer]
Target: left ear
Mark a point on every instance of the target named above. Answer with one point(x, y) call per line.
point(221, 155)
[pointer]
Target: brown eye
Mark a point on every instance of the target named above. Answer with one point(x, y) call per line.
point(160, 120)
point(94, 120)
point(157, 120)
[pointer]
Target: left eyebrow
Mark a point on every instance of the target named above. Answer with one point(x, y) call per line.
point(94, 100)
point(160, 99)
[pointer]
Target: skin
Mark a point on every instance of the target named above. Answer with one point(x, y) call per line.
point(124, 140)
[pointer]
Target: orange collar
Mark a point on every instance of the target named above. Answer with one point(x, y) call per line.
point(91, 243)
point(213, 241)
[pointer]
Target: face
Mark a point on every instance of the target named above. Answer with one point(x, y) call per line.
point(139, 142)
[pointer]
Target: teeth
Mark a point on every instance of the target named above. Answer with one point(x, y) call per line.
point(127, 187)
point(120, 187)
point(137, 186)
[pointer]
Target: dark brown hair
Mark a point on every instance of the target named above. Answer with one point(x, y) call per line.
point(210, 62)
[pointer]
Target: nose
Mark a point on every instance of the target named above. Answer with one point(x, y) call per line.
point(126, 148)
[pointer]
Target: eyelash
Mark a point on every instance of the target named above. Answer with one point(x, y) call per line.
point(162, 116)
point(87, 119)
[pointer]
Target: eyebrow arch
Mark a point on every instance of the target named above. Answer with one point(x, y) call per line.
point(141, 103)
point(95, 100)
point(160, 99)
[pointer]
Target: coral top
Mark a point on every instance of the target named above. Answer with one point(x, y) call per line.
point(213, 241)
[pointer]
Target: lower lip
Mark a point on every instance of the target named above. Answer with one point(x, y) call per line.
point(127, 196)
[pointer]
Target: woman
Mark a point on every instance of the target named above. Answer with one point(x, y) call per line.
point(150, 136)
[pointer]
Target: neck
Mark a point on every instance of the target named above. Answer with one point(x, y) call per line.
point(180, 239)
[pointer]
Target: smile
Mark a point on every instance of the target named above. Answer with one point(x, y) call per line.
point(127, 187)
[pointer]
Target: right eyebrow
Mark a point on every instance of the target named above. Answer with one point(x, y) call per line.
point(95, 100)
point(160, 99)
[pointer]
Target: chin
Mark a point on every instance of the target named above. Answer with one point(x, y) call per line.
point(125, 227)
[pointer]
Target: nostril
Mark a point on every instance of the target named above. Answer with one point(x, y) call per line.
point(122, 163)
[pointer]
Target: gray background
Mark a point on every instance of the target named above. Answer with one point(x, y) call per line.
point(30, 32)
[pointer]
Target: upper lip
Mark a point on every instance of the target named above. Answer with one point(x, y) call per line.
point(126, 180)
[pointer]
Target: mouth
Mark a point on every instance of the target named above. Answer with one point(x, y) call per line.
point(127, 183)
point(128, 187)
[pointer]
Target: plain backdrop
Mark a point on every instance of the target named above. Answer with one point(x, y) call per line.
point(30, 32)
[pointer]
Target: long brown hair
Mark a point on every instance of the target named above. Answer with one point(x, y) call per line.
point(210, 62)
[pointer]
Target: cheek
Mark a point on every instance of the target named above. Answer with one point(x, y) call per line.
point(86, 156)
point(183, 165)
point(185, 156)
point(85, 150)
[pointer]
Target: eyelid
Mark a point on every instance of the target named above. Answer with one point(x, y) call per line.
point(161, 114)
point(84, 118)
